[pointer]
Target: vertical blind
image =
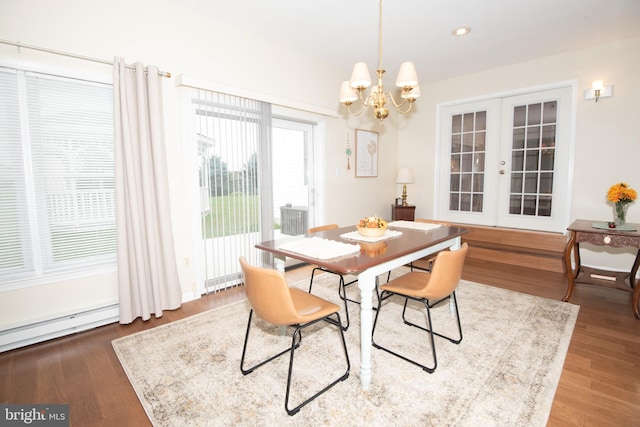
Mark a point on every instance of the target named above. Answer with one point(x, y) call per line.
point(58, 200)
point(232, 136)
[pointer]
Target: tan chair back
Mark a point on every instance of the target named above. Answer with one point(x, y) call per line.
point(445, 274)
point(322, 228)
point(268, 293)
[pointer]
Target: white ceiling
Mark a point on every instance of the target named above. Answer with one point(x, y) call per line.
point(343, 32)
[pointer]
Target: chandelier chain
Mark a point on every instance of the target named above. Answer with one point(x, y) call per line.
point(380, 36)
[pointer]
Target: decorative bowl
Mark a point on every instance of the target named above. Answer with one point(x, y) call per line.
point(372, 226)
point(372, 232)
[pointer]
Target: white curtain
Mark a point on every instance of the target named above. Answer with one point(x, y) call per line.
point(147, 273)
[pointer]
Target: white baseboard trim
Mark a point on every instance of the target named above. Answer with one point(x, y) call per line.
point(66, 325)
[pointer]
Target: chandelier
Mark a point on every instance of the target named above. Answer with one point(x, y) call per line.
point(378, 99)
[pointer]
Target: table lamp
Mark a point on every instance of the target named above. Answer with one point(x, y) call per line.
point(405, 176)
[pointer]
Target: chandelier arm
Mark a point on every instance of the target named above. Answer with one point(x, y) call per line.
point(409, 102)
point(393, 101)
point(351, 113)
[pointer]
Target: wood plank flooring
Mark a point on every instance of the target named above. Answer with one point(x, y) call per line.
point(599, 386)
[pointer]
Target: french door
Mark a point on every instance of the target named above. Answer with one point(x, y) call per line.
point(507, 161)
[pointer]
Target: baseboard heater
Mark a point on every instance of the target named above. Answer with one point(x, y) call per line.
point(33, 333)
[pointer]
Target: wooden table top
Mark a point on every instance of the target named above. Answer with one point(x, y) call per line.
point(586, 226)
point(371, 254)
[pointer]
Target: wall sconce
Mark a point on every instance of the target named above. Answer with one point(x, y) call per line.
point(598, 90)
point(405, 176)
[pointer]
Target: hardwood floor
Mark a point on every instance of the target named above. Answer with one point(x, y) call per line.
point(599, 386)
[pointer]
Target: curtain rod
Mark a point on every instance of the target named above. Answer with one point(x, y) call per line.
point(72, 55)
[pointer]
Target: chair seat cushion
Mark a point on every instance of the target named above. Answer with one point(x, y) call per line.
point(311, 307)
point(412, 284)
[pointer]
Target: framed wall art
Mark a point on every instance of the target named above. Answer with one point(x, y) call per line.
point(367, 149)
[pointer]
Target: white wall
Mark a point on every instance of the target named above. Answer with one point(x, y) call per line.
point(181, 42)
point(607, 134)
point(184, 42)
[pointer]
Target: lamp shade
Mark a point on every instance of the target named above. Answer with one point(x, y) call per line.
point(360, 77)
point(347, 94)
point(407, 76)
point(405, 176)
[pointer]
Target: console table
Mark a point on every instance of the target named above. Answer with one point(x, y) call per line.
point(584, 231)
point(400, 212)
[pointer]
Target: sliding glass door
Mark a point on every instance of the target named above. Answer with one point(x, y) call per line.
point(230, 133)
point(292, 177)
point(255, 182)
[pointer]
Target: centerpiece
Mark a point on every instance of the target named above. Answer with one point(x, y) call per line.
point(372, 226)
point(621, 195)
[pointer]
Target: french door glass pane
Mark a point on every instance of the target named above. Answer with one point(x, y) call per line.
point(533, 152)
point(468, 141)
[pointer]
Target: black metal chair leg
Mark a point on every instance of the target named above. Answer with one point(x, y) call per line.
point(341, 288)
point(343, 377)
point(385, 295)
point(431, 305)
point(296, 339)
point(244, 350)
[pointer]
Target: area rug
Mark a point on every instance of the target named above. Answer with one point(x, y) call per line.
point(503, 373)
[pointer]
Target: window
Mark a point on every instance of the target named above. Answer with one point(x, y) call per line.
point(57, 196)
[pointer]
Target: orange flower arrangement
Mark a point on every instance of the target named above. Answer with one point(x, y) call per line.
point(621, 193)
point(372, 222)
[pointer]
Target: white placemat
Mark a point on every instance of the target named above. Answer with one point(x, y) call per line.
point(424, 226)
point(354, 235)
point(317, 247)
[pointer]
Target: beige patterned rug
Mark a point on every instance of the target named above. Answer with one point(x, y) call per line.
point(503, 373)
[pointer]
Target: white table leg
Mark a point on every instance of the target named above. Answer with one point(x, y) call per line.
point(279, 262)
point(366, 283)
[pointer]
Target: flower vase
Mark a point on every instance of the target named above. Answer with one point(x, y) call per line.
point(620, 214)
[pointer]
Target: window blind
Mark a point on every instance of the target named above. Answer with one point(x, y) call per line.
point(15, 233)
point(232, 136)
point(60, 135)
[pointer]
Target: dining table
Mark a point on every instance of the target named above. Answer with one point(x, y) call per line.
point(368, 258)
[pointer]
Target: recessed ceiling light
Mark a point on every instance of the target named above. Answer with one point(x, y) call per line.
point(462, 31)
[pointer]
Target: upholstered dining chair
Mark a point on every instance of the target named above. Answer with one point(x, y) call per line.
point(342, 285)
point(425, 263)
point(429, 289)
point(275, 302)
